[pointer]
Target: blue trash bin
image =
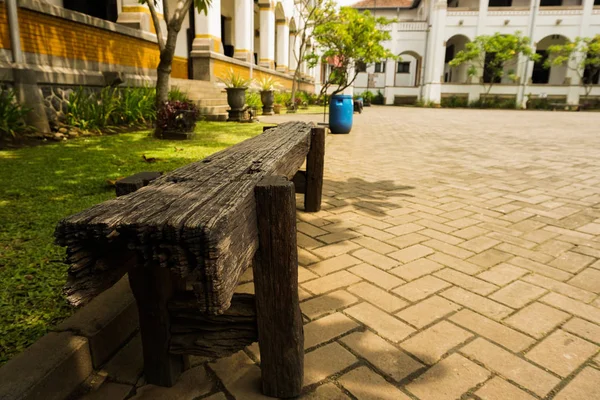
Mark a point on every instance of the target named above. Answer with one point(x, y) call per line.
point(341, 111)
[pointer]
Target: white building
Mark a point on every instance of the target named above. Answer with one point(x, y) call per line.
point(429, 33)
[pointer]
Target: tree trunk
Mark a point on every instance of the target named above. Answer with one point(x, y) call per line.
point(297, 72)
point(163, 72)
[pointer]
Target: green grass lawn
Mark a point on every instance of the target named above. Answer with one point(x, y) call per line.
point(40, 185)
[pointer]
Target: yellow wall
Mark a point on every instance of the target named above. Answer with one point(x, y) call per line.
point(46, 34)
point(222, 67)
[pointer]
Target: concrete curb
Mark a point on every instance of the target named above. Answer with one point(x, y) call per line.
point(54, 366)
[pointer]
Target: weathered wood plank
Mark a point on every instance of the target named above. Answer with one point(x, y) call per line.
point(315, 164)
point(280, 331)
point(153, 287)
point(199, 220)
point(193, 332)
point(134, 182)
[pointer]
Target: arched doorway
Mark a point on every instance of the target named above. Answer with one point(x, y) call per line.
point(408, 69)
point(455, 74)
point(554, 75)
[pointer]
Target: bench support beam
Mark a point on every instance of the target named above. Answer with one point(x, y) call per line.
point(315, 163)
point(280, 331)
point(153, 287)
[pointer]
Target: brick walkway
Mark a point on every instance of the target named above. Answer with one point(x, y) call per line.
point(456, 256)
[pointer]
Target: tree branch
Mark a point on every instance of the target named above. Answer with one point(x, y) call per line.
point(166, 11)
point(179, 14)
point(157, 27)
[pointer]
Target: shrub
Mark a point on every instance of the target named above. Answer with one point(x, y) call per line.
point(540, 103)
point(253, 100)
point(367, 96)
point(177, 95)
point(455, 102)
point(494, 102)
point(137, 105)
point(12, 116)
point(378, 98)
point(282, 98)
point(177, 116)
point(235, 80)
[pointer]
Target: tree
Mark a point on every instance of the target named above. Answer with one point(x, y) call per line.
point(173, 21)
point(581, 56)
point(350, 38)
point(492, 55)
point(311, 14)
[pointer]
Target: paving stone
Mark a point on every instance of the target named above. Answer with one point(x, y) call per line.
point(192, 384)
point(411, 253)
point(541, 269)
point(305, 275)
point(562, 352)
point(592, 229)
point(574, 307)
point(489, 258)
point(327, 391)
point(327, 303)
point(560, 287)
point(240, 376)
point(427, 311)
point(109, 390)
point(498, 389)
point(382, 355)
point(384, 324)
point(449, 379)
point(306, 258)
point(443, 237)
point(448, 249)
point(584, 329)
point(537, 319)
point(479, 244)
point(338, 236)
point(463, 222)
point(432, 343)
point(416, 269)
point(404, 229)
point(554, 247)
point(307, 242)
point(365, 384)
point(376, 276)
point(128, 364)
point(588, 279)
point(502, 274)
point(309, 229)
point(324, 329)
point(335, 249)
point(514, 240)
point(518, 294)
point(421, 288)
point(477, 303)
point(470, 232)
point(376, 259)
point(492, 330)
point(456, 263)
point(378, 297)
point(584, 386)
point(466, 282)
point(510, 366)
point(325, 361)
point(407, 240)
point(539, 236)
point(333, 264)
point(330, 282)
point(572, 262)
point(374, 244)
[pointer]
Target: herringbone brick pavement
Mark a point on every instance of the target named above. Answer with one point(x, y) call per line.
point(456, 257)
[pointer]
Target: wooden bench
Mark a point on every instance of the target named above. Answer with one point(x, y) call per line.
point(186, 238)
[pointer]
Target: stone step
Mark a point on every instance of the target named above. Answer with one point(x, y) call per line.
point(221, 109)
point(210, 102)
point(215, 117)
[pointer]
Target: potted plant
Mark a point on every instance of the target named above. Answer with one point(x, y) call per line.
point(267, 86)
point(277, 108)
point(176, 120)
point(236, 87)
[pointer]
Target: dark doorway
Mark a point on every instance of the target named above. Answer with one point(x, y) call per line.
point(500, 3)
point(550, 3)
point(489, 69)
point(541, 74)
point(103, 9)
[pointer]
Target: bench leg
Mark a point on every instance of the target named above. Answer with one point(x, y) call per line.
point(280, 331)
point(152, 288)
point(315, 162)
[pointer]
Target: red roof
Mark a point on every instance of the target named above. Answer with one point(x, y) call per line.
point(383, 4)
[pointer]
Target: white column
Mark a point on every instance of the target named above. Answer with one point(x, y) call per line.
point(436, 53)
point(244, 30)
point(572, 76)
point(136, 15)
point(208, 29)
point(294, 49)
point(481, 16)
point(283, 43)
point(266, 57)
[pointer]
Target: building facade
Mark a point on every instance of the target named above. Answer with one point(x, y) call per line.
point(55, 45)
point(429, 33)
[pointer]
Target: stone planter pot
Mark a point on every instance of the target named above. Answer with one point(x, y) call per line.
point(267, 97)
point(277, 108)
point(236, 98)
